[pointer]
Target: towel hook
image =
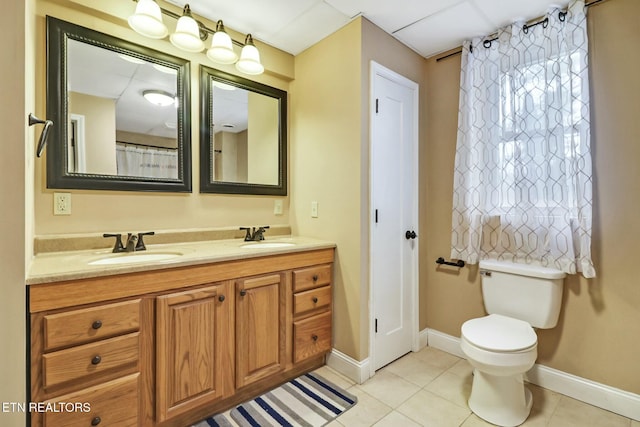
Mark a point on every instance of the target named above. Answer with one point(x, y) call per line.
point(33, 120)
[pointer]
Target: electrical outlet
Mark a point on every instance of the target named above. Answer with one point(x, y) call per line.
point(314, 209)
point(277, 207)
point(62, 203)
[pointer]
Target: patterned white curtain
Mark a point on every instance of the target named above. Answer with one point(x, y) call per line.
point(522, 180)
point(150, 162)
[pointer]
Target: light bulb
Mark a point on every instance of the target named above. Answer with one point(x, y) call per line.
point(187, 34)
point(147, 20)
point(221, 50)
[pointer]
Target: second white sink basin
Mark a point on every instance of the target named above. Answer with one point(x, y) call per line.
point(267, 245)
point(134, 258)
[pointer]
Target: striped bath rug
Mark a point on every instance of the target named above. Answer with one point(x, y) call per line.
point(307, 401)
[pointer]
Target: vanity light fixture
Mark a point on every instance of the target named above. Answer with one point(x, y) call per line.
point(187, 34)
point(221, 50)
point(159, 97)
point(147, 20)
point(249, 62)
point(191, 34)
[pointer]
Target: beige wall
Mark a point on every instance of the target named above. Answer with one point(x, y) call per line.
point(596, 337)
point(16, 183)
point(101, 211)
point(100, 131)
point(325, 154)
point(330, 159)
point(262, 138)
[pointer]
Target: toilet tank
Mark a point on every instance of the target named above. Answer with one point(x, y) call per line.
point(526, 292)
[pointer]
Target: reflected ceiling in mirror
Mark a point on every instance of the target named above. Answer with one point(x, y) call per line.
point(243, 135)
point(122, 110)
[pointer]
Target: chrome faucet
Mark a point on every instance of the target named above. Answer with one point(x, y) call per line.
point(253, 234)
point(134, 243)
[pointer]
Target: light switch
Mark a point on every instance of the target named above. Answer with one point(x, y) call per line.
point(314, 209)
point(277, 207)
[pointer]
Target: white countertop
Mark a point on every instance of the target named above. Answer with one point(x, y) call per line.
point(71, 265)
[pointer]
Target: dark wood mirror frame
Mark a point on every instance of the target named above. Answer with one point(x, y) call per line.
point(207, 185)
point(58, 32)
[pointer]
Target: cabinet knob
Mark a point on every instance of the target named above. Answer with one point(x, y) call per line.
point(243, 292)
point(315, 277)
point(315, 300)
point(95, 421)
point(97, 324)
point(221, 298)
point(96, 360)
point(314, 337)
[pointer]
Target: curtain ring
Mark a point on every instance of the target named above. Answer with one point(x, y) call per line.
point(545, 23)
point(486, 44)
point(525, 29)
point(562, 16)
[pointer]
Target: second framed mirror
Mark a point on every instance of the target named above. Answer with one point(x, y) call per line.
point(243, 127)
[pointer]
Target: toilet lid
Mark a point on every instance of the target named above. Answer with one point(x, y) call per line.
point(499, 333)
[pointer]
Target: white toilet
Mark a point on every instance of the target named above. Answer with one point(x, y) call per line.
point(502, 346)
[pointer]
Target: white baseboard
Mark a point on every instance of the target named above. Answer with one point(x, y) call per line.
point(358, 371)
point(603, 396)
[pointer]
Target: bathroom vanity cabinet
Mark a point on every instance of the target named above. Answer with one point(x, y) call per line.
point(169, 347)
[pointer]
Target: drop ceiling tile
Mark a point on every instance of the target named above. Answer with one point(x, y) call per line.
point(445, 30)
point(505, 12)
point(392, 15)
point(308, 28)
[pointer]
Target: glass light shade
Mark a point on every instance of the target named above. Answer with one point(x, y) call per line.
point(159, 98)
point(249, 62)
point(221, 50)
point(187, 34)
point(147, 20)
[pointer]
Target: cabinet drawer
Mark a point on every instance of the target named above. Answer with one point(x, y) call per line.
point(114, 403)
point(94, 359)
point(311, 277)
point(311, 300)
point(312, 336)
point(90, 324)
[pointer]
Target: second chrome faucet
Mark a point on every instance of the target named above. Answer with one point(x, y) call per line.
point(254, 234)
point(134, 242)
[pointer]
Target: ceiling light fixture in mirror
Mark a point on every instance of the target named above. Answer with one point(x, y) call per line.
point(190, 36)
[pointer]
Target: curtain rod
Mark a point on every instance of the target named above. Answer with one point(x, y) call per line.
point(459, 51)
point(145, 145)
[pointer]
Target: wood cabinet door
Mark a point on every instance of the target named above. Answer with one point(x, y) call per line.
point(260, 331)
point(194, 349)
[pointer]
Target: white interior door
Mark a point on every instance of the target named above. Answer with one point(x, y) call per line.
point(394, 206)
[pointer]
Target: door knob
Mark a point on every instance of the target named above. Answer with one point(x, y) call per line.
point(410, 235)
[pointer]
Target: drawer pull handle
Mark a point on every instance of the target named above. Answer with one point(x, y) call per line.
point(96, 421)
point(221, 298)
point(315, 300)
point(314, 337)
point(315, 277)
point(97, 324)
point(96, 360)
point(243, 292)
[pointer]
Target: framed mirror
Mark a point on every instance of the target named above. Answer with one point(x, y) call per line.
point(121, 113)
point(243, 128)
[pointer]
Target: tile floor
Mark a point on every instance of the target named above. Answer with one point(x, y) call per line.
point(431, 387)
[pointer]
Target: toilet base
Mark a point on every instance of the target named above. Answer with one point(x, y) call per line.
point(500, 400)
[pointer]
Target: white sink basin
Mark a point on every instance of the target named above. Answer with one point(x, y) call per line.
point(134, 258)
point(267, 245)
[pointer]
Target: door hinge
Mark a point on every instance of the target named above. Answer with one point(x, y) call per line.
point(376, 105)
point(376, 326)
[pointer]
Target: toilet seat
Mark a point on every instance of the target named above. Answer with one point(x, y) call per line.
point(497, 333)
